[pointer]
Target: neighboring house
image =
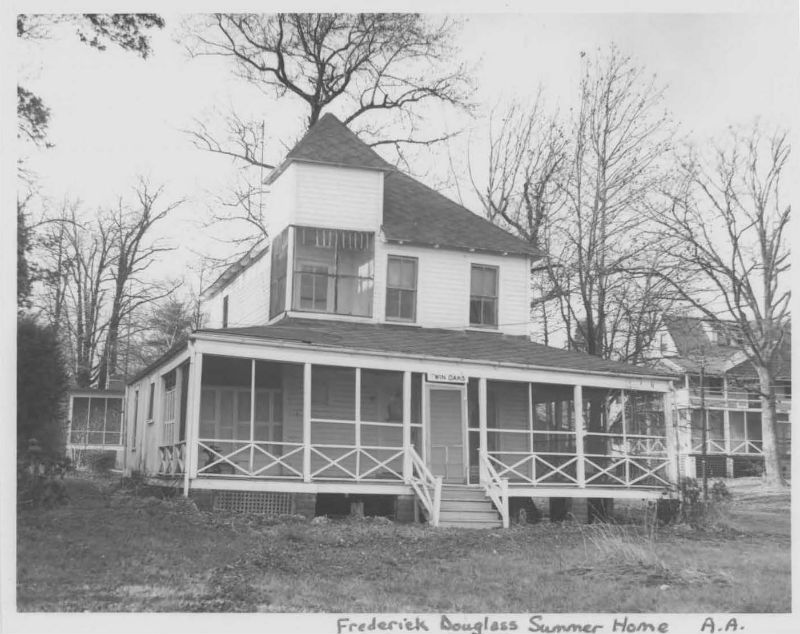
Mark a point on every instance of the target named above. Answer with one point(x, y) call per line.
point(95, 424)
point(377, 349)
point(692, 346)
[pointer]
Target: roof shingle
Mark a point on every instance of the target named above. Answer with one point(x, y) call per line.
point(415, 213)
point(435, 342)
point(412, 212)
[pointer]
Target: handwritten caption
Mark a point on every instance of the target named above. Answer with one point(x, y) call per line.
point(533, 623)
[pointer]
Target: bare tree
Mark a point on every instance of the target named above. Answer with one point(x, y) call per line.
point(87, 262)
point(524, 185)
point(577, 190)
point(372, 67)
point(134, 251)
point(726, 227)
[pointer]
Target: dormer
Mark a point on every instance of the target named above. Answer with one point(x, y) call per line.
point(330, 179)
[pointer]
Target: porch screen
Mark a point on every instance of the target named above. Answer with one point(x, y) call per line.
point(357, 424)
point(715, 431)
point(333, 271)
point(243, 427)
point(96, 421)
point(278, 271)
point(602, 415)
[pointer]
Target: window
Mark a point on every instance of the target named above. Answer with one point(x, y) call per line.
point(278, 267)
point(225, 311)
point(401, 288)
point(96, 420)
point(150, 402)
point(483, 296)
point(169, 396)
point(333, 271)
point(135, 419)
point(313, 280)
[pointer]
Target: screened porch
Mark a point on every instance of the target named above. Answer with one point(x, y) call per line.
point(282, 421)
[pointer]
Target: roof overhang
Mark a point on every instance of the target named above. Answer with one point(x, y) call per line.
point(274, 174)
point(229, 338)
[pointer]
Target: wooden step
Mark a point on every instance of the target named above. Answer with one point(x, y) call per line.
point(466, 505)
point(456, 516)
point(465, 523)
point(463, 494)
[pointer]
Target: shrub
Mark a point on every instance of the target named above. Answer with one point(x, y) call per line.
point(100, 461)
point(720, 492)
point(39, 479)
point(42, 382)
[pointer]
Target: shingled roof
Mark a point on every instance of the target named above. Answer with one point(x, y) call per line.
point(478, 347)
point(417, 214)
point(412, 212)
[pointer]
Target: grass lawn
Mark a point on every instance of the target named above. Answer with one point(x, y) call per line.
point(108, 551)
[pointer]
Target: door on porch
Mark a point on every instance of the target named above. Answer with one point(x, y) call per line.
point(446, 424)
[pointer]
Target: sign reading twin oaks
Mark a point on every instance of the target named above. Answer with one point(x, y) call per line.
point(446, 376)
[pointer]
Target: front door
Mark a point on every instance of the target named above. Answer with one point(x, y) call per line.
point(446, 424)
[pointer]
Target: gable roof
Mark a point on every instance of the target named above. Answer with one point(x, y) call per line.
point(480, 347)
point(695, 348)
point(412, 212)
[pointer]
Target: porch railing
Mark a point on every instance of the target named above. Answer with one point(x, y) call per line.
point(496, 487)
point(365, 463)
point(256, 459)
point(638, 462)
point(172, 459)
point(750, 447)
point(712, 446)
point(427, 487)
point(733, 399)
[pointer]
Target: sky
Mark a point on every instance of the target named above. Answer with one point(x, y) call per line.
point(116, 116)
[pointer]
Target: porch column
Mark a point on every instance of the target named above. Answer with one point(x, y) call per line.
point(406, 427)
point(193, 416)
point(307, 422)
point(579, 434)
point(726, 417)
point(671, 432)
point(483, 436)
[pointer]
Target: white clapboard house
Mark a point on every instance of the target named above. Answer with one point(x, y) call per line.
point(377, 348)
point(719, 389)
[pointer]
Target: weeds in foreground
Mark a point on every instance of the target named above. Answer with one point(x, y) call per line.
point(622, 543)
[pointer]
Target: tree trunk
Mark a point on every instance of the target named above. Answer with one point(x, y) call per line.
point(769, 438)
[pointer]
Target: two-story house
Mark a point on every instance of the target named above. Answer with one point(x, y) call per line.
point(377, 347)
point(719, 387)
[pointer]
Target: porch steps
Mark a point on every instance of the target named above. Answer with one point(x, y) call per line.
point(466, 507)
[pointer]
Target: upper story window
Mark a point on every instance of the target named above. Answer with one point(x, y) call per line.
point(278, 271)
point(150, 401)
point(483, 296)
point(333, 271)
point(401, 288)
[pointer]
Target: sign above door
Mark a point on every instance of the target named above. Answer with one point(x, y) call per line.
point(446, 376)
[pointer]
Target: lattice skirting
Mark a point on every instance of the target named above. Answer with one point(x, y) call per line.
point(261, 502)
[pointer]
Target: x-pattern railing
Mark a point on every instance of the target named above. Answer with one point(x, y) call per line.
point(647, 445)
point(376, 466)
point(536, 477)
point(279, 460)
point(747, 447)
point(712, 446)
point(648, 470)
point(218, 458)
